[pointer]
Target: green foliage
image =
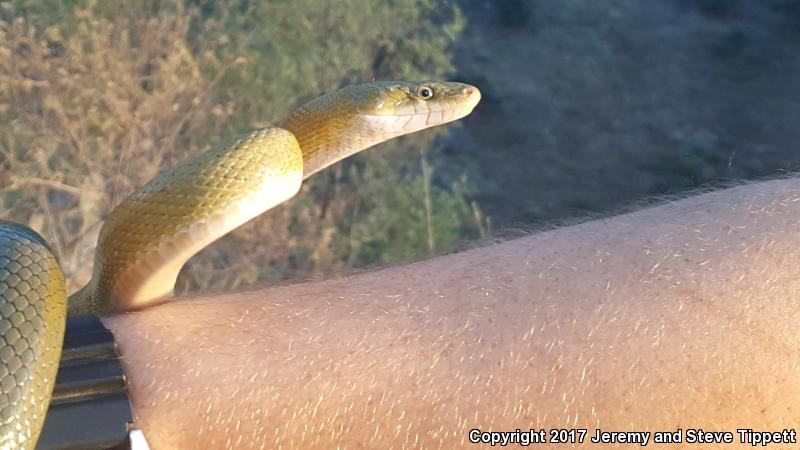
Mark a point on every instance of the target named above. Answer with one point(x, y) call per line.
point(269, 56)
point(407, 220)
point(98, 95)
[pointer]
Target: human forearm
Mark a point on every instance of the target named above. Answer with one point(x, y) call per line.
point(674, 316)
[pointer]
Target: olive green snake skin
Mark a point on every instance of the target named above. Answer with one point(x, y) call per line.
point(146, 240)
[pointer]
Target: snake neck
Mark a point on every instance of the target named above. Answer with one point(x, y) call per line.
point(328, 132)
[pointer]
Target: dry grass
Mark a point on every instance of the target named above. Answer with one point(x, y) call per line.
point(92, 115)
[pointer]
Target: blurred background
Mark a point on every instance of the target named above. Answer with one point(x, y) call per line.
point(587, 106)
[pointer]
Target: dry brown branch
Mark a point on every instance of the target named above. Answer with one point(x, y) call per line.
point(50, 184)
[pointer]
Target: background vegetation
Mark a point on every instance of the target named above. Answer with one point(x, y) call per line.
point(586, 106)
point(95, 97)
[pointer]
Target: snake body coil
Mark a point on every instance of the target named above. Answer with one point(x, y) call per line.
point(146, 240)
point(33, 311)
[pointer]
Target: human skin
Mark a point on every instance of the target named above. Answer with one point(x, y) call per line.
point(682, 315)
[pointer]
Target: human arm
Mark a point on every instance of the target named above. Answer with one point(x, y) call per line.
point(680, 315)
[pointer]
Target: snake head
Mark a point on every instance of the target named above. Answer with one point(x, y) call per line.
point(401, 107)
point(339, 124)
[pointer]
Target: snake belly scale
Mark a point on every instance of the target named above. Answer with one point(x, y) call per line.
point(149, 236)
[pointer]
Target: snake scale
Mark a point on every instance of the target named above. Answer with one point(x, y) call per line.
point(148, 237)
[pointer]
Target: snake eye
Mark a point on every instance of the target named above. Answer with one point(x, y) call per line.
point(425, 92)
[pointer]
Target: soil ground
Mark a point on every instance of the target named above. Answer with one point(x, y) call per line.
point(592, 105)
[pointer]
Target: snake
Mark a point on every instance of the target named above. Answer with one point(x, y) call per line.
point(147, 238)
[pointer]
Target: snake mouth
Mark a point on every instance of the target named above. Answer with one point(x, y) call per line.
point(409, 123)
